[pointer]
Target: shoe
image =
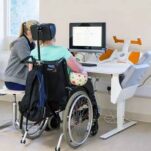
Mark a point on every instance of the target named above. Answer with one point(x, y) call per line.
point(94, 128)
point(96, 114)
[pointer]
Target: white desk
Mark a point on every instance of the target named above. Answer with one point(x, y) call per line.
point(114, 69)
point(108, 68)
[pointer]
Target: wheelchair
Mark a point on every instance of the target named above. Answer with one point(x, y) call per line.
point(74, 101)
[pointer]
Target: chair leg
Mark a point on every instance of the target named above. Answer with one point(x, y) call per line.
point(120, 121)
point(15, 121)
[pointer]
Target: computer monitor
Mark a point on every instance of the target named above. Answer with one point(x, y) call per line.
point(87, 37)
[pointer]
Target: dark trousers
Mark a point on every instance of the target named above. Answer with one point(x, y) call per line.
point(89, 87)
point(14, 86)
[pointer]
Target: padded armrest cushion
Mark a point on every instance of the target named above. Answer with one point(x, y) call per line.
point(134, 75)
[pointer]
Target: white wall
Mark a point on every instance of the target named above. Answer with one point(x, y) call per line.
point(124, 18)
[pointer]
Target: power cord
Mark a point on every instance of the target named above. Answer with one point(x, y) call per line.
point(144, 81)
point(110, 118)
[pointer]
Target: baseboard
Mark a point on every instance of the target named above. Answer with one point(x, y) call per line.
point(128, 115)
point(144, 91)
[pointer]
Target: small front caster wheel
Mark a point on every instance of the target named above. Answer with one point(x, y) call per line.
point(53, 123)
point(57, 149)
point(23, 141)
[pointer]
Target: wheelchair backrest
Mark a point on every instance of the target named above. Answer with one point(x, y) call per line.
point(56, 80)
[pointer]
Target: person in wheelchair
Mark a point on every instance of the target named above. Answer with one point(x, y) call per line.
point(51, 52)
point(55, 64)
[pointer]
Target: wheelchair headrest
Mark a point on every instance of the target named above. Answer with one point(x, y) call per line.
point(46, 31)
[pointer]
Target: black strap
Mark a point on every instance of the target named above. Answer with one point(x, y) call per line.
point(26, 60)
point(21, 121)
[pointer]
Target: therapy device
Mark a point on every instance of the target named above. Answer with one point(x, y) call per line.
point(123, 54)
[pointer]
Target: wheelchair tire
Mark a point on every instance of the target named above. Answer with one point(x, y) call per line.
point(77, 120)
point(53, 123)
point(35, 129)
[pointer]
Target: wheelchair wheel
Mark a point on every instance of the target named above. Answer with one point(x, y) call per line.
point(78, 117)
point(35, 129)
point(53, 123)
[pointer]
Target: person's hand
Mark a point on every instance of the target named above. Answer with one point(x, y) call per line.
point(84, 73)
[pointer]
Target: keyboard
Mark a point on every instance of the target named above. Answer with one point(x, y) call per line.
point(89, 64)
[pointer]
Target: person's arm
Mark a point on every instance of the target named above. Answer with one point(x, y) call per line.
point(34, 54)
point(30, 66)
point(22, 50)
point(75, 66)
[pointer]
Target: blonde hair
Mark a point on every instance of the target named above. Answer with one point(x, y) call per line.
point(25, 26)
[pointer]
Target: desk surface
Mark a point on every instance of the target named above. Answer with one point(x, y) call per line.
point(108, 68)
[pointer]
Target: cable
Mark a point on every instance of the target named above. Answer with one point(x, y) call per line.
point(144, 81)
point(95, 80)
point(110, 118)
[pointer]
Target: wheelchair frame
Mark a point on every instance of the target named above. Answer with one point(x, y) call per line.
point(79, 103)
point(78, 112)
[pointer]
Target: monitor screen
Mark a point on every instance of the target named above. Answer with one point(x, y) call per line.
point(87, 36)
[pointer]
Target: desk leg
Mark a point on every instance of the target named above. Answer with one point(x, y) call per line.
point(120, 121)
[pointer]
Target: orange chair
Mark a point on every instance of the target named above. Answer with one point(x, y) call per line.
point(134, 57)
point(106, 55)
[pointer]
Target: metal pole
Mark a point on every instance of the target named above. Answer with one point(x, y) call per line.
point(38, 44)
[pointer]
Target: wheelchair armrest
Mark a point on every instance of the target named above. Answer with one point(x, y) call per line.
point(68, 88)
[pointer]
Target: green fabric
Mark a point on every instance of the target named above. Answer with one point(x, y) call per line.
point(51, 53)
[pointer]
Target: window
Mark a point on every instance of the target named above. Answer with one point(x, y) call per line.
point(1, 19)
point(20, 11)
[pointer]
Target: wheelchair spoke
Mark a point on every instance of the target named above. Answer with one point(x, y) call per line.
point(80, 115)
point(78, 119)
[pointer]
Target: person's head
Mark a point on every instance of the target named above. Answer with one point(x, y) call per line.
point(49, 32)
point(48, 42)
point(25, 28)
